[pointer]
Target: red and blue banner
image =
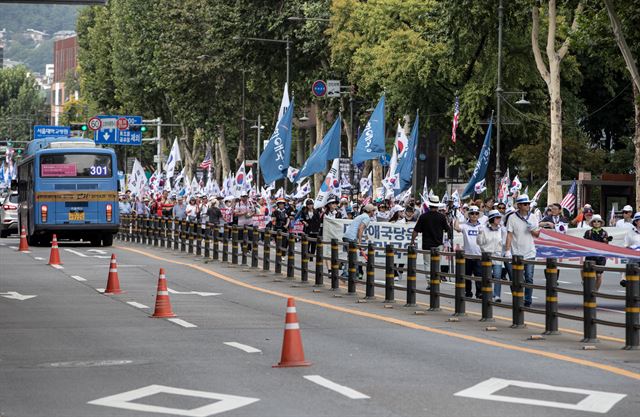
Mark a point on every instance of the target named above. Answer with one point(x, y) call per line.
point(552, 244)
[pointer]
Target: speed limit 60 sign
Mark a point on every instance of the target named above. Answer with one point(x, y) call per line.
point(94, 123)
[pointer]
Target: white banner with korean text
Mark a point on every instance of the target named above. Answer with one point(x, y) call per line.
point(378, 233)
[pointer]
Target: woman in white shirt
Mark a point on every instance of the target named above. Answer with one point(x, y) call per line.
point(632, 241)
point(491, 238)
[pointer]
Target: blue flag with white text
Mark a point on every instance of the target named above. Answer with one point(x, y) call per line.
point(480, 170)
point(275, 159)
point(328, 150)
point(371, 142)
point(406, 164)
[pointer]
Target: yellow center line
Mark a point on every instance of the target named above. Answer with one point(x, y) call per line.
point(403, 323)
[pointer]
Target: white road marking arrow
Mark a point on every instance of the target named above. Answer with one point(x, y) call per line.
point(13, 295)
point(200, 293)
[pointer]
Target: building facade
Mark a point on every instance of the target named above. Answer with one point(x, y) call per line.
point(65, 60)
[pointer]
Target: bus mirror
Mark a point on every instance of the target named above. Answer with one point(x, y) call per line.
point(14, 185)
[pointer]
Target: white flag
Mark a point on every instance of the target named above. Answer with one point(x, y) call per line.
point(240, 180)
point(195, 187)
point(399, 150)
point(302, 191)
point(291, 173)
point(365, 183)
point(329, 185)
point(137, 179)
point(284, 104)
point(174, 156)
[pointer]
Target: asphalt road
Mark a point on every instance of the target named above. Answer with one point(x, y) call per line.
point(72, 351)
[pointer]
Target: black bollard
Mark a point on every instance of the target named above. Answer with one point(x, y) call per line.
point(291, 262)
point(244, 244)
point(319, 257)
point(278, 267)
point(371, 272)
point(352, 259)
point(254, 247)
point(389, 258)
point(411, 277)
point(434, 290)
point(632, 308)
point(234, 244)
point(517, 291)
point(487, 289)
point(460, 307)
point(589, 302)
point(225, 243)
point(304, 259)
point(266, 250)
point(335, 284)
point(551, 297)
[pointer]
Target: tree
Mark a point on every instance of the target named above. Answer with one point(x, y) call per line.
point(21, 104)
point(551, 76)
point(630, 62)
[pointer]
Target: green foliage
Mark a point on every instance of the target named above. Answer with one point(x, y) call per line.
point(21, 105)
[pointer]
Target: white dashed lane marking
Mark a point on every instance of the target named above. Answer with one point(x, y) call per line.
point(182, 323)
point(78, 278)
point(246, 348)
point(340, 389)
point(136, 305)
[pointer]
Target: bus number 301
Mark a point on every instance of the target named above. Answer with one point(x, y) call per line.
point(98, 170)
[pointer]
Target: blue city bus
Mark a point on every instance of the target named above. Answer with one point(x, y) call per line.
point(68, 186)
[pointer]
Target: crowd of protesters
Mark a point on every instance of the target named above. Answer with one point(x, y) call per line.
point(485, 225)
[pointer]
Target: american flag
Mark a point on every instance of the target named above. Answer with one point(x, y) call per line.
point(456, 117)
point(569, 200)
point(206, 163)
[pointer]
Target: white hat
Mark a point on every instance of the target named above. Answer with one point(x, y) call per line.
point(229, 198)
point(523, 199)
point(434, 200)
point(596, 217)
point(636, 217)
point(494, 213)
point(627, 208)
point(442, 206)
point(474, 209)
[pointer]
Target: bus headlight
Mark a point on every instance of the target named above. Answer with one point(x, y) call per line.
point(44, 210)
point(109, 209)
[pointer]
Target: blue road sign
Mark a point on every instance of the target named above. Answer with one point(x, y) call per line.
point(43, 131)
point(319, 88)
point(109, 134)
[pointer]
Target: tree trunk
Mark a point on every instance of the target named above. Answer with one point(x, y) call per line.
point(377, 177)
point(622, 44)
point(240, 156)
point(555, 144)
point(551, 77)
point(217, 166)
point(222, 149)
point(636, 142)
point(187, 152)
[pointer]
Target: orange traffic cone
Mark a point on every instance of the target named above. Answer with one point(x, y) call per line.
point(113, 282)
point(24, 246)
point(292, 352)
point(54, 258)
point(163, 305)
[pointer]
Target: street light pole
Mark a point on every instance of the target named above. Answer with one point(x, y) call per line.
point(498, 172)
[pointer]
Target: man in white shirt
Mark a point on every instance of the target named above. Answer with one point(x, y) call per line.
point(626, 221)
point(469, 231)
point(522, 228)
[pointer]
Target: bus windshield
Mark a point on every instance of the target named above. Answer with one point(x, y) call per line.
point(74, 165)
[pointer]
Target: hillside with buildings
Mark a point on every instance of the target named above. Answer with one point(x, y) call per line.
point(28, 32)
